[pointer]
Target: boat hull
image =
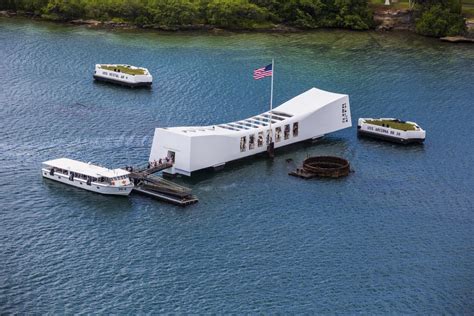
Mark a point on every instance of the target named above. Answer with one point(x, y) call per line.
point(392, 139)
point(82, 184)
point(123, 82)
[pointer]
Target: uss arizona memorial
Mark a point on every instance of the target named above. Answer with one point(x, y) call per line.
point(309, 115)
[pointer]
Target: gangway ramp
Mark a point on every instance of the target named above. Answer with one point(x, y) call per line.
point(156, 187)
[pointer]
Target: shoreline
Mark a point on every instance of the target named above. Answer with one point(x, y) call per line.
point(111, 25)
point(386, 21)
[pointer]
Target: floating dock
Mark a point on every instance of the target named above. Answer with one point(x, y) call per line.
point(392, 130)
point(156, 187)
point(184, 201)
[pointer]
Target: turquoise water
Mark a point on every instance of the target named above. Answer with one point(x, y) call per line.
point(395, 236)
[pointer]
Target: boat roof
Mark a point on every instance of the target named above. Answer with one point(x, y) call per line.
point(87, 169)
point(307, 102)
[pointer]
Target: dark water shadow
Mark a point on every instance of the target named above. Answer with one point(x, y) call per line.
point(119, 87)
point(368, 143)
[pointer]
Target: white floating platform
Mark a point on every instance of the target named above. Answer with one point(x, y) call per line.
point(125, 75)
point(309, 115)
point(391, 129)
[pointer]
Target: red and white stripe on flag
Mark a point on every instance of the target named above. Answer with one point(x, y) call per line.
point(263, 72)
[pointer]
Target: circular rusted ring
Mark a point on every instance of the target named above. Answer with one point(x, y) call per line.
point(327, 166)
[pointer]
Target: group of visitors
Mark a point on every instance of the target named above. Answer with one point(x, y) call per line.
point(158, 163)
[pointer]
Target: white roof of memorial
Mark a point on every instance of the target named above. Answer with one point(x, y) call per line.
point(85, 168)
point(307, 102)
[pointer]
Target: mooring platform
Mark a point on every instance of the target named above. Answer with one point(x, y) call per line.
point(156, 187)
point(182, 201)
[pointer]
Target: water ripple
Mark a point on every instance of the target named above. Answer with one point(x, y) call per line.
point(396, 236)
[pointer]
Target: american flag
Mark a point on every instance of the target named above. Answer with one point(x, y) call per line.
point(263, 72)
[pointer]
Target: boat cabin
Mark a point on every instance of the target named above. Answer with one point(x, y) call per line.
point(89, 173)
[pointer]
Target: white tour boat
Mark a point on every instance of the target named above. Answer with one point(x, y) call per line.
point(88, 176)
point(123, 74)
point(309, 115)
point(391, 129)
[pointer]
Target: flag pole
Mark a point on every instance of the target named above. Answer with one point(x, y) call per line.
point(271, 87)
point(270, 146)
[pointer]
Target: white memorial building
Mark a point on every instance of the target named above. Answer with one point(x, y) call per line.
point(309, 115)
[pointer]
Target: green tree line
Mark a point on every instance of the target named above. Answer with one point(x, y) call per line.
point(439, 17)
point(232, 14)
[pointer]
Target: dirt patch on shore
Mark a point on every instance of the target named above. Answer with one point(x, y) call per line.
point(388, 20)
